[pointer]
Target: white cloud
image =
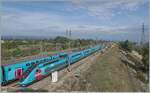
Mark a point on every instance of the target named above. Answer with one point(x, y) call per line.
point(41, 23)
point(19, 22)
point(101, 29)
point(105, 9)
point(34, 23)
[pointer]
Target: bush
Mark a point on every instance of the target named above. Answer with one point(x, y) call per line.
point(126, 45)
point(145, 54)
point(17, 52)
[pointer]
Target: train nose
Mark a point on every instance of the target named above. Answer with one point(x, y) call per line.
point(22, 84)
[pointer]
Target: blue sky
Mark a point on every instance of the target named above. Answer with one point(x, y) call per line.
point(102, 19)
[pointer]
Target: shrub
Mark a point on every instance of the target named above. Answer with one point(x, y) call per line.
point(126, 45)
point(17, 52)
point(145, 54)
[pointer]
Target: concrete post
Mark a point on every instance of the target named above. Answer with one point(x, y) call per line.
point(55, 76)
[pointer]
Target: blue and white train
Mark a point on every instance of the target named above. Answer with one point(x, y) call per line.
point(39, 71)
point(32, 70)
point(12, 72)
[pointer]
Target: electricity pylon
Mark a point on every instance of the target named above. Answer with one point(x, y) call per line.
point(142, 35)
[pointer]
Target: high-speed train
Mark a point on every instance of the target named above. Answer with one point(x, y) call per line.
point(11, 72)
point(38, 71)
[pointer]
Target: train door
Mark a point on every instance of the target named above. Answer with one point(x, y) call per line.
point(18, 72)
point(38, 73)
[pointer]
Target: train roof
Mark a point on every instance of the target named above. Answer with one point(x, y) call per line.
point(25, 60)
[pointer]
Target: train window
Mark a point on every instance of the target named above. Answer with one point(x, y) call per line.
point(27, 64)
point(50, 59)
point(46, 60)
point(41, 60)
point(62, 56)
point(9, 69)
point(76, 55)
point(37, 70)
point(51, 62)
point(32, 63)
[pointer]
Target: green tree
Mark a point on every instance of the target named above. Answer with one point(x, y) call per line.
point(17, 52)
point(60, 39)
point(126, 45)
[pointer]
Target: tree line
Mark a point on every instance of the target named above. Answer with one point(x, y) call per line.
point(28, 47)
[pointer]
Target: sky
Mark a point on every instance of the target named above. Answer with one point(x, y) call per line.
point(101, 19)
